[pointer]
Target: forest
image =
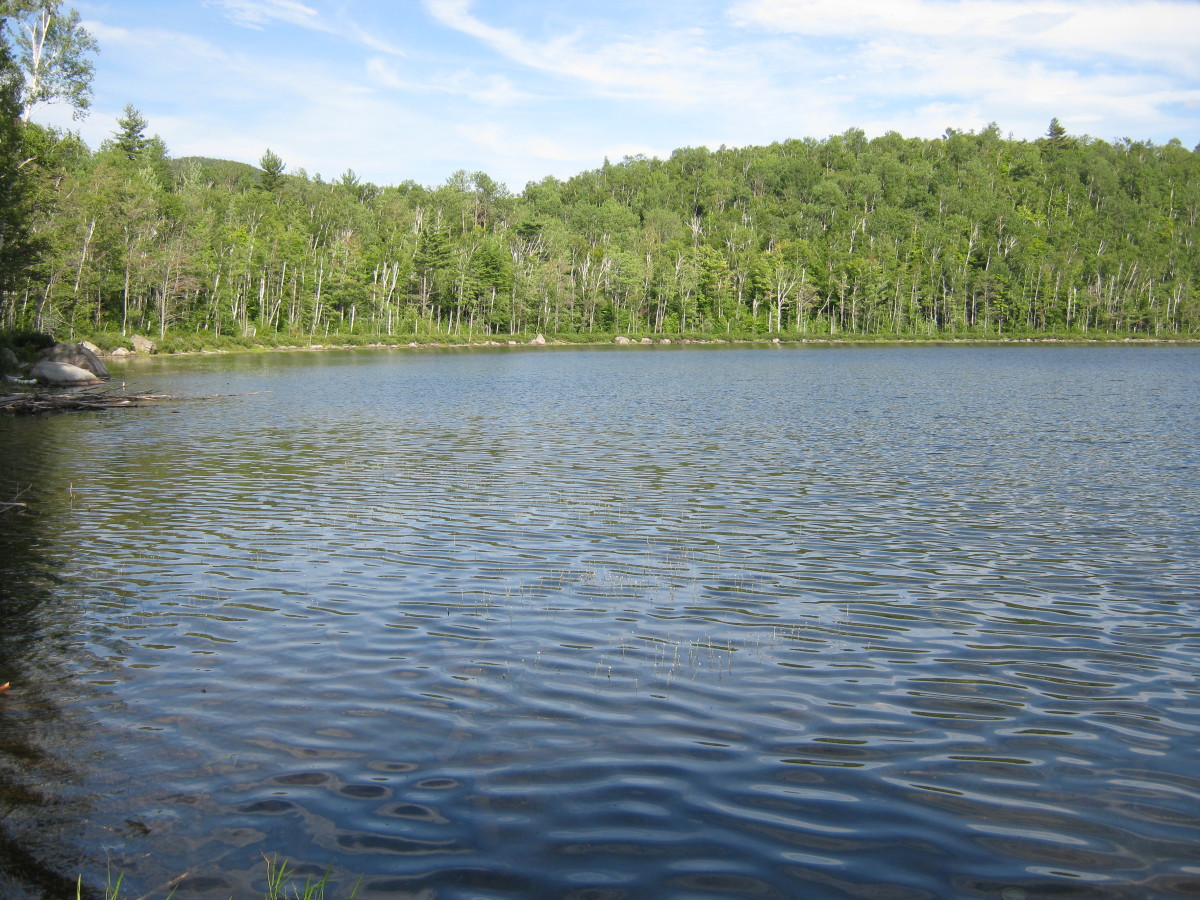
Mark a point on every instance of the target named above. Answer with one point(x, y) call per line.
point(972, 234)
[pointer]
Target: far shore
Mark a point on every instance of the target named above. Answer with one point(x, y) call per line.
point(662, 341)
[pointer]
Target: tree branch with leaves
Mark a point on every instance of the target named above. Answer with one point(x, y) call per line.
point(52, 51)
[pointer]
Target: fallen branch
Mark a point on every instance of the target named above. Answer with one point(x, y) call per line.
point(93, 399)
point(40, 401)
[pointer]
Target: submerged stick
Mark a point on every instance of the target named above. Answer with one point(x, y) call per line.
point(41, 402)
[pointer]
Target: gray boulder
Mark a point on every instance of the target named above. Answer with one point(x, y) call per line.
point(61, 374)
point(142, 344)
point(540, 340)
point(8, 361)
point(77, 355)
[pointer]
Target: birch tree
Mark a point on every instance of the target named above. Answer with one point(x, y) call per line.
point(52, 53)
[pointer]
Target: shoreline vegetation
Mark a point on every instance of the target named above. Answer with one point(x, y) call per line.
point(972, 235)
point(189, 346)
point(969, 236)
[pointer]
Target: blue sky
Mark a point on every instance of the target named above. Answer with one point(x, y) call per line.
point(521, 89)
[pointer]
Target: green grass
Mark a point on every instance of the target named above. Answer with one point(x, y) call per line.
point(282, 884)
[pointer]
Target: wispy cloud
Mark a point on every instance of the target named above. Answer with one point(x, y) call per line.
point(258, 13)
point(1160, 32)
point(522, 89)
point(662, 65)
point(488, 89)
point(1011, 61)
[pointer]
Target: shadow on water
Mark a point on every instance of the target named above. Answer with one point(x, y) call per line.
point(46, 730)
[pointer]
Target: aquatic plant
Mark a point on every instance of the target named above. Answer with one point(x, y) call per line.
point(282, 884)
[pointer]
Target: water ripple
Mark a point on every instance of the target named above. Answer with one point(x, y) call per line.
point(903, 622)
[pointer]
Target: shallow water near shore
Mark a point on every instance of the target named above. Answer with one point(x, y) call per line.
point(893, 622)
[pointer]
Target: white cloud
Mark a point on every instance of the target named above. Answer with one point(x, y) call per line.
point(526, 89)
point(257, 13)
point(156, 44)
point(487, 89)
point(1017, 62)
point(532, 156)
point(927, 18)
point(499, 139)
point(1149, 31)
point(664, 66)
point(319, 116)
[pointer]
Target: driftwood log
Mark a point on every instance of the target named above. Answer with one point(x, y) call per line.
point(91, 399)
point(61, 401)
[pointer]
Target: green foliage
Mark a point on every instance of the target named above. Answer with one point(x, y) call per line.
point(130, 137)
point(970, 235)
point(201, 170)
point(272, 171)
point(52, 52)
point(15, 187)
point(25, 343)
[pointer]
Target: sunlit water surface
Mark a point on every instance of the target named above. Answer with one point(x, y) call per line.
point(893, 622)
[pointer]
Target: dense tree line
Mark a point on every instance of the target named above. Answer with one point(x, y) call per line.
point(971, 234)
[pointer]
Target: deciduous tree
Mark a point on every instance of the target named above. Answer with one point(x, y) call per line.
point(52, 51)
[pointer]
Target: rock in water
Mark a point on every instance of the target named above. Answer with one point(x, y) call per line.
point(47, 371)
point(540, 340)
point(79, 356)
point(142, 345)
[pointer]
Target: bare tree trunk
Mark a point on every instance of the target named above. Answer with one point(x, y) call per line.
point(125, 299)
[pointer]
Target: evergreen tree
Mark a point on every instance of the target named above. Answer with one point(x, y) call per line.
point(272, 171)
point(1056, 134)
point(130, 137)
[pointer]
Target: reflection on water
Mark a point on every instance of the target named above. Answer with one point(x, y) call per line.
point(870, 622)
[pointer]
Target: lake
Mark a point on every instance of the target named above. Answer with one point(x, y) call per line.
point(674, 622)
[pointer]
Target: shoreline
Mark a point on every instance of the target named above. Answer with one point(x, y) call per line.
point(665, 342)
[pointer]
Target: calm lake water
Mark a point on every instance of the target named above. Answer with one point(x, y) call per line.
point(870, 622)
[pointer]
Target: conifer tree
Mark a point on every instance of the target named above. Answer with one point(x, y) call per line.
point(272, 171)
point(130, 138)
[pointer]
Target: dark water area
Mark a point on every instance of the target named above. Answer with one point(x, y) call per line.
point(870, 622)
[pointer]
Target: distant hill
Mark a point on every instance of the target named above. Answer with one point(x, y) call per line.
point(227, 172)
point(967, 235)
